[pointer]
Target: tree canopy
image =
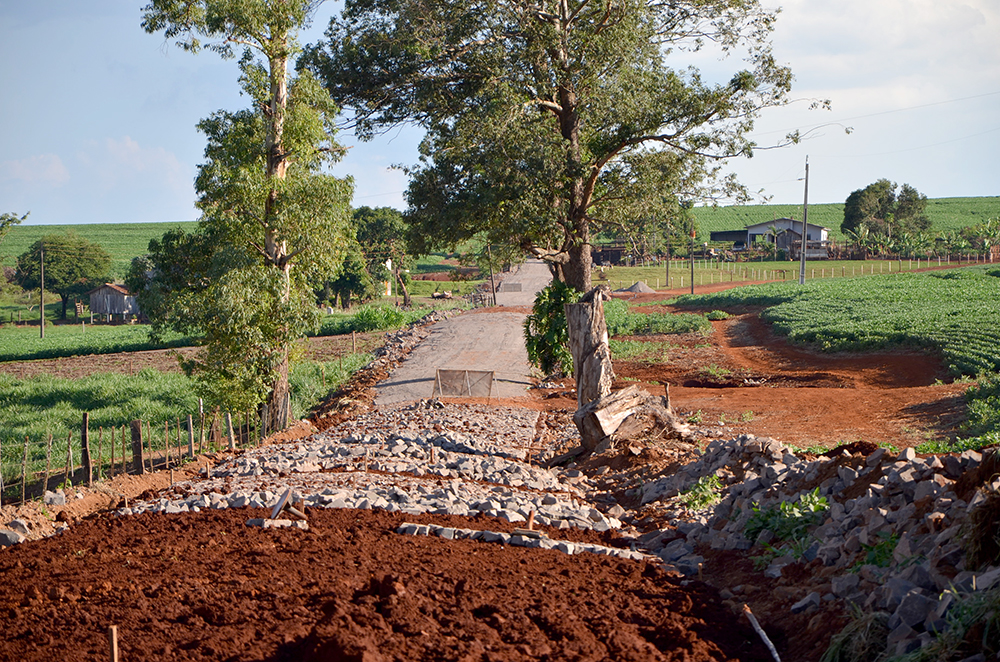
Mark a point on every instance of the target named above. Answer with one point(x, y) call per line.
point(9, 220)
point(73, 266)
point(274, 221)
point(883, 212)
point(549, 120)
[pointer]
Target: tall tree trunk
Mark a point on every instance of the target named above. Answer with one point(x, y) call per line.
point(402, 287)
point(588, 343)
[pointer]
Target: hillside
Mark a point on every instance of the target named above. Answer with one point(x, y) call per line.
point(123, 241)
point(945, 214)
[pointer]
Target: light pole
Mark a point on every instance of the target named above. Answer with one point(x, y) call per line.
point(805, 216)
point(693, 233)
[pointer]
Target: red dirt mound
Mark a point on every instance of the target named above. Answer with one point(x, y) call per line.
point(206, 587)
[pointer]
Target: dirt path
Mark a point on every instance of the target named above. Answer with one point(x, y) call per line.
point(491, 339)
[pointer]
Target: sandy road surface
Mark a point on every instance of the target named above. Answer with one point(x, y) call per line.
point(474, 341)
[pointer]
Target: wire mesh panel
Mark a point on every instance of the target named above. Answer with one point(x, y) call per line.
point(463, 383)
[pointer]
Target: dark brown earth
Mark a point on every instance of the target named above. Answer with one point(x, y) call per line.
point(206, 587)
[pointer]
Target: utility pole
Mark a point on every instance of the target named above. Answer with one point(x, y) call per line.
point(493, 286)
point(41, 290)
point(692, 256)
point(805, 216)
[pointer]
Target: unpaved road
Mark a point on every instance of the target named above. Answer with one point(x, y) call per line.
point(491, 340)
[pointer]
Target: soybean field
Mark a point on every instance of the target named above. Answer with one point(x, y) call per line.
point(955, 312)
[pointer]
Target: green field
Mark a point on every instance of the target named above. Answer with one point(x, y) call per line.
point(955, 312)
point(945, 214)
point(122, 241)
point(37, 407)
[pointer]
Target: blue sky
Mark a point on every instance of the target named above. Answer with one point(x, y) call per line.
point(100, 117)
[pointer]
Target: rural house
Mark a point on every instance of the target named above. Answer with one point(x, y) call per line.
point(111, 300)
point(785, 233)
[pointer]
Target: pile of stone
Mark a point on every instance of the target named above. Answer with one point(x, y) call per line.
point(903, 505)
point(518, 539)
point(398, 464)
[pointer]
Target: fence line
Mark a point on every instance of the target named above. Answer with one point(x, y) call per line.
point(21, 480)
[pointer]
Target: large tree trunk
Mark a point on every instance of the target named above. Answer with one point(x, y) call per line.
point(588, 343)
point(277, 410)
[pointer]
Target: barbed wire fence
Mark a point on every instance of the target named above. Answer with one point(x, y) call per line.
point(30, 467)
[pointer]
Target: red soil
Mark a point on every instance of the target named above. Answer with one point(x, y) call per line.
point(206, 587)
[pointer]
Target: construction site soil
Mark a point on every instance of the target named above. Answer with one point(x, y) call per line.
point(203, 586)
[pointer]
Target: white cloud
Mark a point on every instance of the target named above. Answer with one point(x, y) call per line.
point(40, 169)
point(124, 161)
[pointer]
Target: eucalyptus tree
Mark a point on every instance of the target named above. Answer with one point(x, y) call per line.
point(548, 120)
point(275, 218)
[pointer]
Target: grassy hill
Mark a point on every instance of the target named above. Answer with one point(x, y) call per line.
point(123, 241)
point(945, 214)
point(127, 240)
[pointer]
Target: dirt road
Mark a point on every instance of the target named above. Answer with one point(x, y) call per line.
point(484, 340)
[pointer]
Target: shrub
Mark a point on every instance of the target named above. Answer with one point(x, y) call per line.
point(546, 336)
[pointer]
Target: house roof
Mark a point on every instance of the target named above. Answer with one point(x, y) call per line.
point(766, 224)
point(121, 289)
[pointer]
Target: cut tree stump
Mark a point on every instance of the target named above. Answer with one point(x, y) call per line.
point(588, 343)
point(631, 412)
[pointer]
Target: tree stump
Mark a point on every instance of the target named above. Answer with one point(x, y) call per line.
point(626, 414)
point(588, 343)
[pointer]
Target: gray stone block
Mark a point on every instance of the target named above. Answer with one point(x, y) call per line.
point(9, 538)
point(810, 601)
point(914, 608)
point(844, 585)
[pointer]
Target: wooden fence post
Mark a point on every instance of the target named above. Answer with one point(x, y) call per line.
point(1, 467)
point(24, 467)
point(229, 431)
point(69, 460)
point(149, 444)
point(85, 450)
point(140, 468)
point(190, 437)
point(166, 443)
point(48, 465)
point(112, 431)
point(100, 451)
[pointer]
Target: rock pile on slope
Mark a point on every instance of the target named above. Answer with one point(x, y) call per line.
point(889, 537)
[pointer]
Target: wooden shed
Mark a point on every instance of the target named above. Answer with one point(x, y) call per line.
point(111, 299)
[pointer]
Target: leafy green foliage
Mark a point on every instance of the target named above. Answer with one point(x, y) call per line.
point(8, 220)
point(73, 266)
point(878, 208)
point(953, 312)
point(622, 322)
point(973, 626)
point(275, 219)
point(702, 493)
point(373, 318)
point(789, 520)
point(717, 315)
point(880, 552)
point(546, 336)
point(542, 119)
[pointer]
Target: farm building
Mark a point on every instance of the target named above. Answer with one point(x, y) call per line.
point(112, 300)
point(785, 233)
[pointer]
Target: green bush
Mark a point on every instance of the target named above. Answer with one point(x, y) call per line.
point(545, 334)
point(374, 318)
point(788, 520)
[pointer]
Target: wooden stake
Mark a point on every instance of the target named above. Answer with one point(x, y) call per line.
point(166, 443)
point(149, 444)
point(531, 521)
point(48, 465)
point(190, 437)
point(124, 464)
point(85, 461)
point(69, 459)
point(112, 441)
point(137, 463)
point(113, 643)
point(760, 631)
point(229, 431)
point(100, 450)
point(24, 467)
point(180, 453)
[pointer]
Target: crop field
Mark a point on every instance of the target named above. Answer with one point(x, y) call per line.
point(712, 272)
point(37, 407)
point(22, 343)
point(945, 214)
point(956, 312)
point(122, 241)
